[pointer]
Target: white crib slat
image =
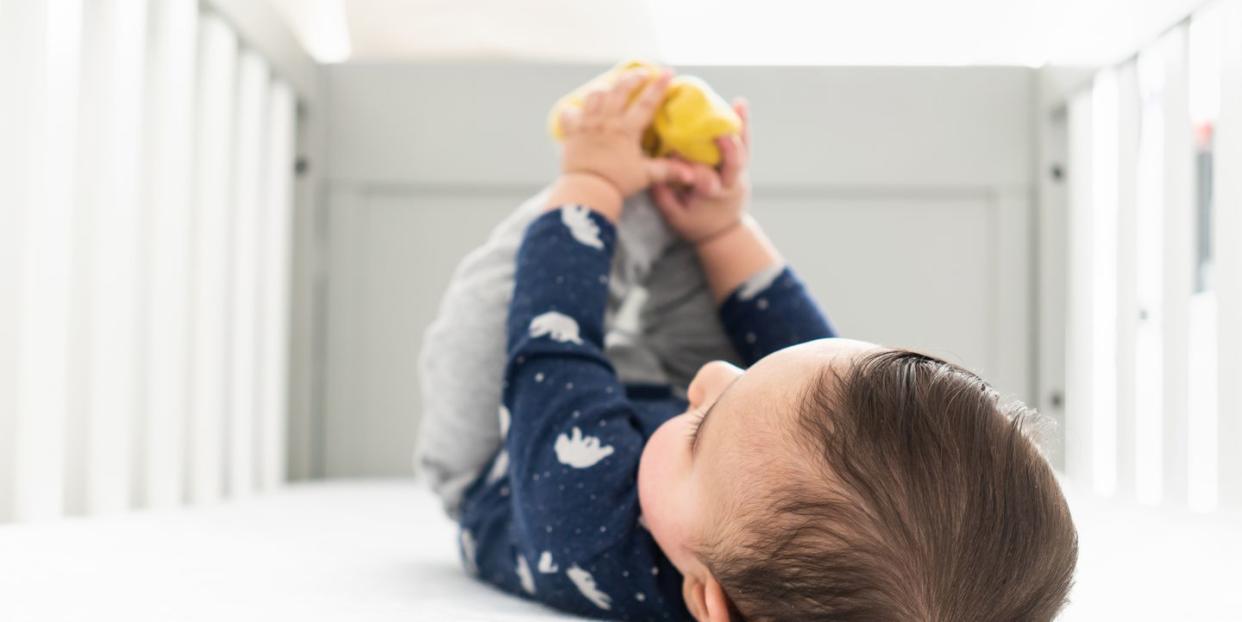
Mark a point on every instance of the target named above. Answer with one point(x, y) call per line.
point(8, 349)
point(9, 231)
point(1127, 274)
point(12, 22)
point(217, 63)
point(41, 41)
point(1178, 276)
point(248, 152)
point(1105, 173)
point(1227, 245)
point(1079, 384)
point(44, 322)
point(275, 287)
point(168, 150)
point(1149, 282)
point(1204, 82)
point(110, 123)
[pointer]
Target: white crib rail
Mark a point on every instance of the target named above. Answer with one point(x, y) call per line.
point(109, 213)
point(248, 150)
point(1228, 247)
point(168, 159)
point(144, 257)
point(1177, 276)
point(217, 63)
point(39, 70)
point(1154, 366)
point(274, 288)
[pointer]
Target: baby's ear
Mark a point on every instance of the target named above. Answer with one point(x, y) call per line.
point(693, 592)
point(717, 602)
point(705, 598)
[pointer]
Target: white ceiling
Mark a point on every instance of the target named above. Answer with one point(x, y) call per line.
point(833, 32)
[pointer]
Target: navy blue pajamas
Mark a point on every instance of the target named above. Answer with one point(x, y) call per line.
point(555, 516)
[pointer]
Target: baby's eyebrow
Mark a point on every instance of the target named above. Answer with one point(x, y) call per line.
point(698, 433)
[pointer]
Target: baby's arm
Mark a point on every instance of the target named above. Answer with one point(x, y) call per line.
point(730, 245)
point(733, 257)
point(557, 516)
point(763, 305)
point(558, 519)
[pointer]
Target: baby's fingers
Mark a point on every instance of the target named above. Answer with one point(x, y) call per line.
point(668, 170)
point(742, 108)
point(620, 92)
point(571, 119)
point(732, 159)
point(706, 181)
point(669, 202)
point(640, 112)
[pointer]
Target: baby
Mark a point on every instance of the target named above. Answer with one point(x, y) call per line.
point(824, 479)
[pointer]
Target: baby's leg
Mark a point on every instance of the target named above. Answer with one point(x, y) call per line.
point(462, 362)
point(463, 357)
point(642, 238)
point(680, 320)
point(667, 324)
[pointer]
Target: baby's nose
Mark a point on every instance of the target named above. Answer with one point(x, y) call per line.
point(711, 379)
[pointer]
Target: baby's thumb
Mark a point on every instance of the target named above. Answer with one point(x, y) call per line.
point(668, 171)
point(667, 202)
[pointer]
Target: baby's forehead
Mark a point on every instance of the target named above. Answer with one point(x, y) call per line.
point(781, 382)
point(759, 428)
point(769, 406)
point(837, 352)
point(762, 452)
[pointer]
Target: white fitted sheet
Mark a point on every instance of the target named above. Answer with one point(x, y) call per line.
point(365, 551)
point(375, 551)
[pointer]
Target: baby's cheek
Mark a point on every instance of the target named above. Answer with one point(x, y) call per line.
point(651, 469)
point(662, 470)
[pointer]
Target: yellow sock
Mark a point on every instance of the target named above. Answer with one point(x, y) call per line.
point(688, 121)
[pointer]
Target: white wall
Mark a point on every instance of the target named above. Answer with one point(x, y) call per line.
point(903, 195)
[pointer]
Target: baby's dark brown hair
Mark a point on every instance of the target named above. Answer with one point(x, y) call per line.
point(925, 499)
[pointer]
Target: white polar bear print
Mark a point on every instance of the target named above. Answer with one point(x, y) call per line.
point(499, 468)
point(524, 575)
point(580, 451)
point(468, 551)
point(545, 563)
point(557, 326)
point(759, 282)
point(503, 413)
point(586, 584)
point(577, 219)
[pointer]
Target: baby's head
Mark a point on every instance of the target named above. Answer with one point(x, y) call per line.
point(836, 480)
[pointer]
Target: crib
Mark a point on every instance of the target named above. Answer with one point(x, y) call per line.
point(145, 465)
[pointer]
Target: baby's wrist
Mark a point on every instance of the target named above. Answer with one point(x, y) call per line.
point(733, 257)
point(590, 189)
point(720, 235)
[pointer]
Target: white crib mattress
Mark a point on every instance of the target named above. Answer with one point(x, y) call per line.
point(383, 550)
point(366, 551)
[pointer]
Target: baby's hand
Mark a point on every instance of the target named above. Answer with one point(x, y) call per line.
point(718, 200)
point(604, 137)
